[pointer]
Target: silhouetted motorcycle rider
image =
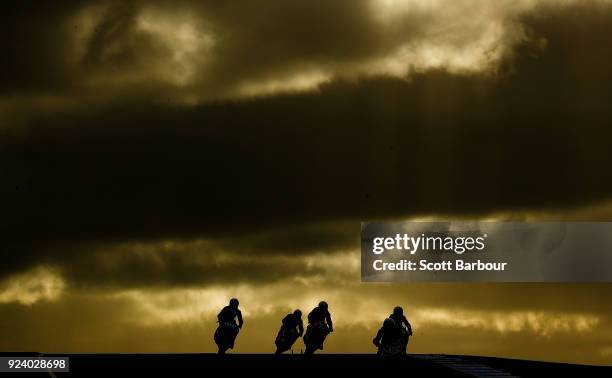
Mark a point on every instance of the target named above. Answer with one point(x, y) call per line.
point(319, 326)
point(320, 314)
point(388, 340)
point(291, 329)
point(227, 320)
point(402, 323)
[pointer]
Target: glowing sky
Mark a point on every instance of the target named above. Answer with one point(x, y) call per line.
point(161, 157)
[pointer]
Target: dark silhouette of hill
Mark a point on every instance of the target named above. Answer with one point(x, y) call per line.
point(341, 364)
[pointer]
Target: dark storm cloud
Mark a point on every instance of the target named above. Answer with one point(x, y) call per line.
point(125, 269)
point(438, 143)
point(71, 45)
point(253, 257)
point(279, 255)
point(137, 168)
point(32, 49)
point(277, 37)
point(294, 241)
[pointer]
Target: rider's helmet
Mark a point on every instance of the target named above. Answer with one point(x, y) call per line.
point(297, 313)
point(388, 323)
point(398, 311)
point(323, 305)
point(234, 303)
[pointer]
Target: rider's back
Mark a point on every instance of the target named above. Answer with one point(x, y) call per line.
point(318, 315)
point(228, 314)
point(391, 334)
point(387, 334)
point(400, 320)
point(291, 321)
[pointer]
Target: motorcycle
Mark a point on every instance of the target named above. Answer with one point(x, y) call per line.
point(315, 336)
point(285, 339)
point(392, 341)
point(395, 348)
point(225, 336)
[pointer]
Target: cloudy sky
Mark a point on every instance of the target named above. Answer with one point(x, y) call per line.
point(159, 157)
